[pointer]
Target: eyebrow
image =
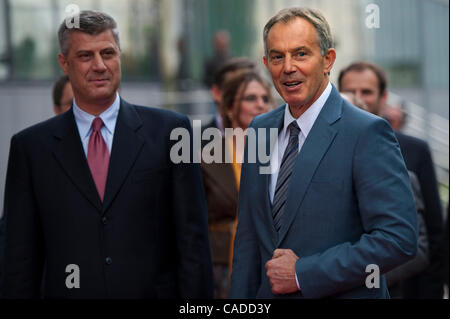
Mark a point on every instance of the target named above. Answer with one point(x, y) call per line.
point(293, 50)
point(82, 51)
point(108, 49)
point(305, 48)
point(102, 50)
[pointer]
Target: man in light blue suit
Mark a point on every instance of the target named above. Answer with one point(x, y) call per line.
point(338, 205)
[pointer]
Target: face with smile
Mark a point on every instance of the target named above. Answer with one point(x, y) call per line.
point(93, 67)
point(299, 72)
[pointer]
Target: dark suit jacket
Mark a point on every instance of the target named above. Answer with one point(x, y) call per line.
point(148, 239)
point(445, 244)
point(395, 278)
point(1, 244)
point(417, 156)
point(349, 205)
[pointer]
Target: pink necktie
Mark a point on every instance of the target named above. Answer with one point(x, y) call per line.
point(98, 157)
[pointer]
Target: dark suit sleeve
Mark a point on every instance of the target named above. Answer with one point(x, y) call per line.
point(445, 244)
point(23, 253)
point(432, 278)
point(388, 217)
point(421, 261)
point(2, 231)
point(191, 229)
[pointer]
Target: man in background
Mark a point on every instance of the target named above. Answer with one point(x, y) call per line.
point(221, 46)
point(229, 68)
point(62, 95)
point(368, 82)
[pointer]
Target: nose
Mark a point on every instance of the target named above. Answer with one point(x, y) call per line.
point(98, 64)
point(358, 94)
point(261, 104)
point(288, 66)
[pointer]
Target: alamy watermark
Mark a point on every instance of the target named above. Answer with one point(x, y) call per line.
point(73, 16)
point(373, 279)
point(73, 279)
point(260, 145)
point(373, 18)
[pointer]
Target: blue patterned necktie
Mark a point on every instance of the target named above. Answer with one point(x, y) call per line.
point(284, 174)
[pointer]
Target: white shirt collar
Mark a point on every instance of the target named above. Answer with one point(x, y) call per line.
point(84, 119)
point(307, 119)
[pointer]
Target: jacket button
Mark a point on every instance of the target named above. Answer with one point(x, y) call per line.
point(108, 260)
point(104, 220)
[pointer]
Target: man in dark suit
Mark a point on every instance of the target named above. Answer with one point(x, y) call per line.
point(337, 205)
point(368, 82)
point(94, 206)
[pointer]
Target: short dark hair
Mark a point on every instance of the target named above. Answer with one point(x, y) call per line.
point(91, 22)
point(313, 16)
point(58, 89)
point(361, 66)
point(232, 65)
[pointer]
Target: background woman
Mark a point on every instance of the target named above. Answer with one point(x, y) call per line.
point(246, 94)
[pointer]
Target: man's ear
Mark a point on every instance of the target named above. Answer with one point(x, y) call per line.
point(62, 63)
point(329, 57)
point(266, 63)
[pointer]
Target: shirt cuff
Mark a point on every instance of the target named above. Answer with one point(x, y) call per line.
point(296, 280)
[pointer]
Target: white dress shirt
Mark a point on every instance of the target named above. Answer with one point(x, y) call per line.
point(84, 123)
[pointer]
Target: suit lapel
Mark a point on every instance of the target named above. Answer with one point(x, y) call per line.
point(125, 148)
point(316, 145)
point(70, 154)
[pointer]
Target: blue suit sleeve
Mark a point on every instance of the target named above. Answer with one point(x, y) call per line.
point(387, 213)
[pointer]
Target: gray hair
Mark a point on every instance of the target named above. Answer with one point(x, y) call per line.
point(313, 16)
point(90, 22)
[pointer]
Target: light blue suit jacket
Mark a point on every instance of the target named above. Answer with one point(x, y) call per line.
point(349, 204)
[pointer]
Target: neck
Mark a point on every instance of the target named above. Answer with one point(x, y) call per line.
point(96, 107)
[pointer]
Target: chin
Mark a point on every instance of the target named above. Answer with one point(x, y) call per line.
point(297, 103)
point(102, 97)
point(102, 92)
